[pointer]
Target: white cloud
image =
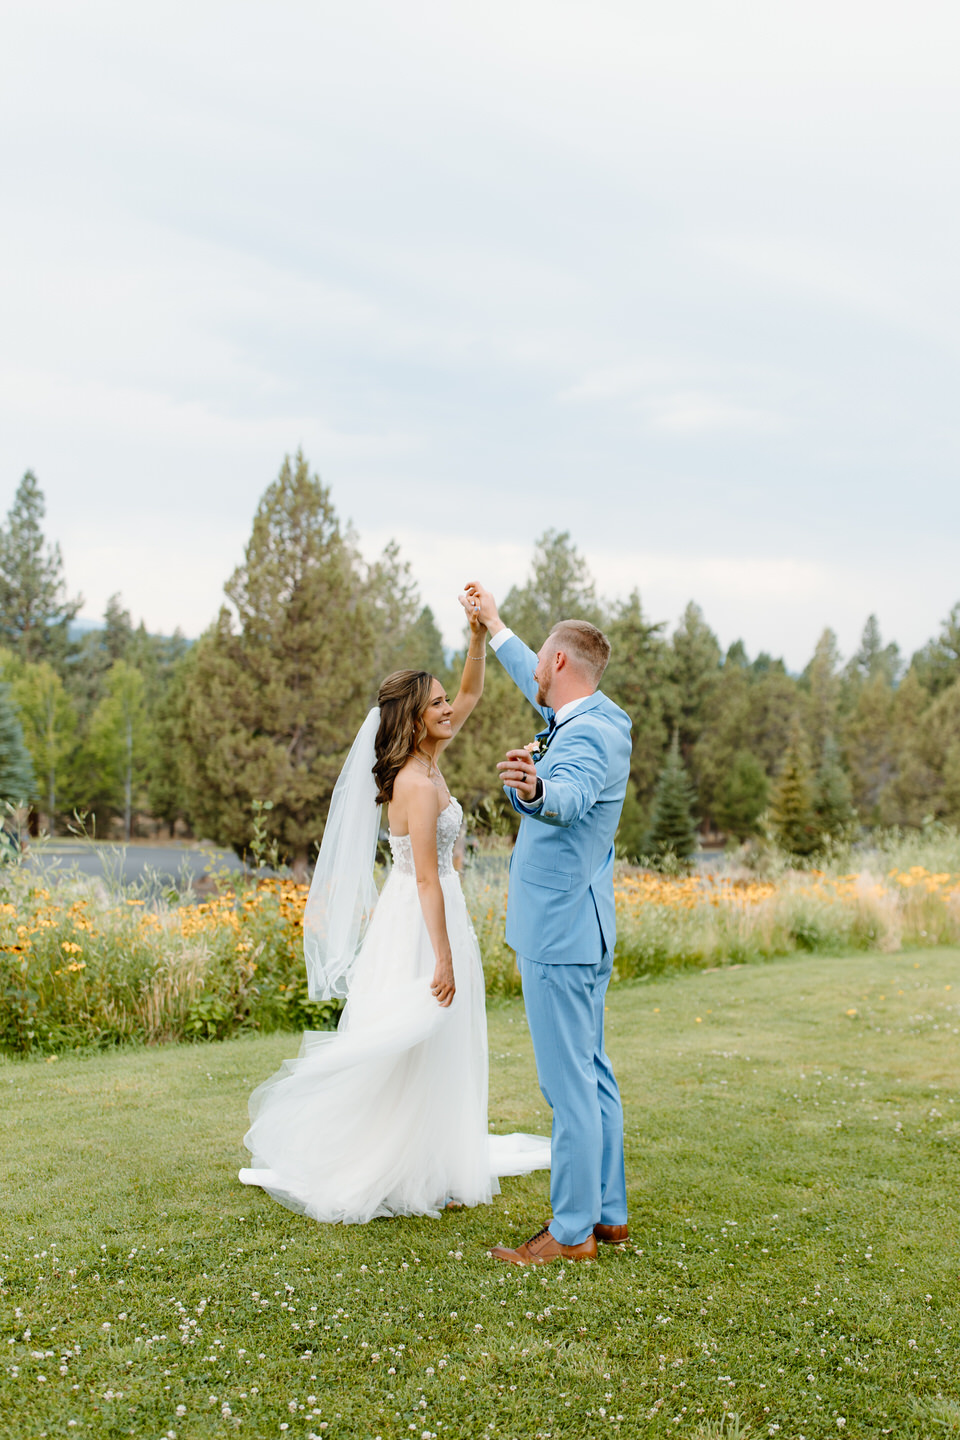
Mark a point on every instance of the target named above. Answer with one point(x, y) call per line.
point(746, 579)
point(691, 411)
point(779, 603)
point(647, 390)
point(149, 415)
point(692, 263)
point(620, 382)
point(443, 563)
point(168, 573)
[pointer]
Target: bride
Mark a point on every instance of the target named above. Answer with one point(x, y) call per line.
point(389, 1115)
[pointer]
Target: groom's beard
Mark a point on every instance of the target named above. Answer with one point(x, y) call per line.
point(543, 687)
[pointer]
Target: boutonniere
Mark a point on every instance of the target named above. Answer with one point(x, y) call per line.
point(538, 747)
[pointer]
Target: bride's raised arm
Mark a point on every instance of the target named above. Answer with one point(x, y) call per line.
point(471, 681)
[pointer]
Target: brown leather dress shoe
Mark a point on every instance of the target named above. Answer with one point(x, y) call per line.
point(541, 1249)
point(612, 1234)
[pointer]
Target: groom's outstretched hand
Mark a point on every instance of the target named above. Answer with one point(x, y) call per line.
point(519, 773)
point(481, 602)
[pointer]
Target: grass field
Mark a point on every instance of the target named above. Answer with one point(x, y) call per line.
point(793, 1135)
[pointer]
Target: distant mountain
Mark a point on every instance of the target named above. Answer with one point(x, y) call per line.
point(81, 626)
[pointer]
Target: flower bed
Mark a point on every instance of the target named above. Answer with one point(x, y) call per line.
point(82, 967)
point(78, 967)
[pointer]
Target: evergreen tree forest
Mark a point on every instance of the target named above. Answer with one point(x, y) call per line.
point(143, 734)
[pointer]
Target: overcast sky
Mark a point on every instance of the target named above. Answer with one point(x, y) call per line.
point(681, 279)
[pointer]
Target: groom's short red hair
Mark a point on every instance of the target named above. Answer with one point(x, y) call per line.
point(586, 646)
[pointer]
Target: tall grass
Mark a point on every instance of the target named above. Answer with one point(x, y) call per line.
point(704, 921)
point(82, 964)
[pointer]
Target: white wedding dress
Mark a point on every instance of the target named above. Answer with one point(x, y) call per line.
point(389, 1115)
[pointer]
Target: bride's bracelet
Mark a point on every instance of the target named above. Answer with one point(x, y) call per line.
point(481, 658)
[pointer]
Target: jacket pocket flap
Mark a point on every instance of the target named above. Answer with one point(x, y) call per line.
point(550, 879)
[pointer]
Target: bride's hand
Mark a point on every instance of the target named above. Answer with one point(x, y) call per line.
point(472, 607)
point(442, 984)
point(486, 607)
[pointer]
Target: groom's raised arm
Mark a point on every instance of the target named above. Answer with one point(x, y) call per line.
point(517, 659)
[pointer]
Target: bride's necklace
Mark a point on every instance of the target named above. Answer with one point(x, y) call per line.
point(429, 766)
point(433, 773)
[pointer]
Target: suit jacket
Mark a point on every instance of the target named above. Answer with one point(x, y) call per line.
point(560, 907)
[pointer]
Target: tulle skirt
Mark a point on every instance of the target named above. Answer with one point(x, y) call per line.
point(388, 1116)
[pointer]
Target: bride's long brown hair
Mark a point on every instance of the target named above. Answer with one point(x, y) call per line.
point(403, 697)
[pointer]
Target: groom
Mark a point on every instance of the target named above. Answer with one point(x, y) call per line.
point(561, 921)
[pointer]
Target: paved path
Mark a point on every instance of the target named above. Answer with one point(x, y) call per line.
point(157, 866)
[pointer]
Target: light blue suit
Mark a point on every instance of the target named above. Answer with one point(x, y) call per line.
point(561, 921)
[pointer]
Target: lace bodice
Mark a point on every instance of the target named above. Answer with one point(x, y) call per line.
point(448, 828)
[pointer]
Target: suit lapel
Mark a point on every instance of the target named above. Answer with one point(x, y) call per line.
point(591, 703)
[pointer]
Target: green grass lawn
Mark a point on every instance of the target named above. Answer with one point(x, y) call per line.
point(793, 1138)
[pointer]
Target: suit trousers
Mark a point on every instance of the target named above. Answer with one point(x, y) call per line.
point(564, 1005)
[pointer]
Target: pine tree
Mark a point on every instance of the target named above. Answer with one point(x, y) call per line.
point(694, 673)
point(166, 788)
point(16, 769)
point(116, 637)
point(119, 741)
point(833, 793)
point(868, 744)
point(747, 712)
point(927, 753)
point(34, 609)
point(632, 830)
point(393, 602)
point(560, 588)
point(938, 663)
point(793, 813)
point(278, 688)
point(637, 679)
point(49, 722)
point(743, 796)
point(951, 784)
point(821, 679)
point(423, 646)
point(874, 660)
point(673, 830)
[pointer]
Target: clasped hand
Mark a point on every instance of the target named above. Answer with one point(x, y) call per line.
point(473, 610)
point(443, 986)
point(519, 773)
